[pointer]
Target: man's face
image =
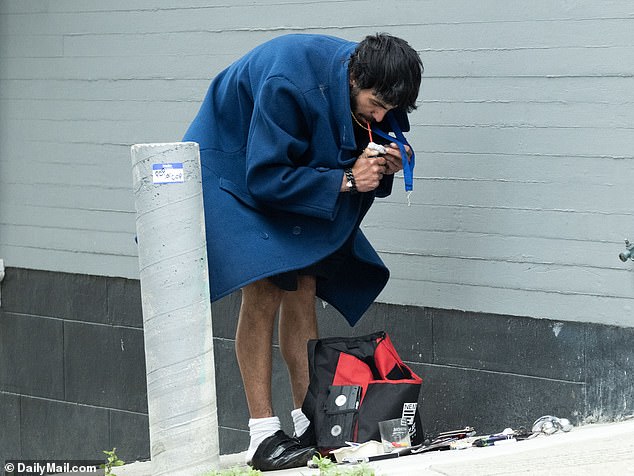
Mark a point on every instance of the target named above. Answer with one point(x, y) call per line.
point(366, 106)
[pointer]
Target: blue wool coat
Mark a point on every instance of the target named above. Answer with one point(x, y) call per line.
point(275, 134)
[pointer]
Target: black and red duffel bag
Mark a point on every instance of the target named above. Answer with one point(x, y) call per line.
point(356, 382)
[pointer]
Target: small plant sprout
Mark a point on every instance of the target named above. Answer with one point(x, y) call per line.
point(111, 462)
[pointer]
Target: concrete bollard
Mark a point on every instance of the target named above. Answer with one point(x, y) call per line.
point(177, 321)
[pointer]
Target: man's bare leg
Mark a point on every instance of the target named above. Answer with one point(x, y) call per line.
point(254, 335)
point(298, 324)
point(269, 448)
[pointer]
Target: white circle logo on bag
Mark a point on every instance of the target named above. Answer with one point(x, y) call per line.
point(341, 400)
point(335, 430)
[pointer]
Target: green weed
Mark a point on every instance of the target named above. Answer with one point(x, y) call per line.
point(112, 461)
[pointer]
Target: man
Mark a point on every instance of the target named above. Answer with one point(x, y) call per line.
point(287, 179)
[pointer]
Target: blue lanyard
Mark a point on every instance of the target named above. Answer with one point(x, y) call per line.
point(401, 141)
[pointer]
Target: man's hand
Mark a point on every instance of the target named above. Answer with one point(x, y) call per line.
point(394, 160)
point(369, 169)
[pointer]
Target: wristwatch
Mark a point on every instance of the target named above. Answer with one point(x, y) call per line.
point(351, 184)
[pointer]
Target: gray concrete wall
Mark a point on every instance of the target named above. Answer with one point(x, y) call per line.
point(523, 135)
point(72, 368)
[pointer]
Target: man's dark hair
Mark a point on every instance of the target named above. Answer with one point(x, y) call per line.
point(390, 67)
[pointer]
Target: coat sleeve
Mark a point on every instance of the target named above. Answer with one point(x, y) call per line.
point(279, 171)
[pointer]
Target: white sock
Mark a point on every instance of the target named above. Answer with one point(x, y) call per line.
point(300, 421)
point(259, 430)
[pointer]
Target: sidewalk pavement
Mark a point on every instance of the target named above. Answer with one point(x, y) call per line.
point(597, 450)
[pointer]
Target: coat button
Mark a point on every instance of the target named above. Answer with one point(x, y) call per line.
point(297, 230)
point(264, 235)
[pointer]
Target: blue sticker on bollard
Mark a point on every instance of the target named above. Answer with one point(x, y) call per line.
point(168, 173)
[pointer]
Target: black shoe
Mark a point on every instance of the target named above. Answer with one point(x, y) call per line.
point(307, 438)
point(280, 451)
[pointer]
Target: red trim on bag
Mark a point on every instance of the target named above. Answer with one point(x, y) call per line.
point(386, 358)
point(352, 371)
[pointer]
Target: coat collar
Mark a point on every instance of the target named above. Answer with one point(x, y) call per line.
point(340, 94)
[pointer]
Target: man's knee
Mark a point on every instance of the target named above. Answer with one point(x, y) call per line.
point(300, 303)
point(262, 295)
